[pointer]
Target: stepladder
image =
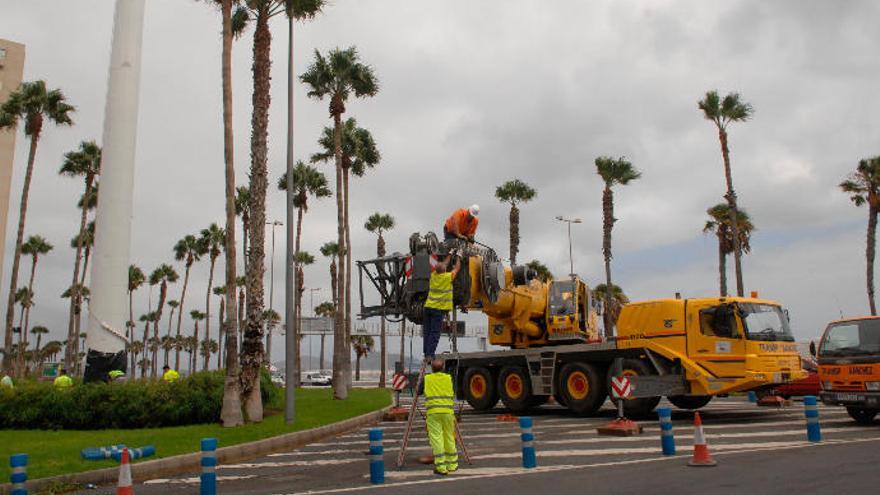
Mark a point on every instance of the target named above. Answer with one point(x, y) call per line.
point(413, 410)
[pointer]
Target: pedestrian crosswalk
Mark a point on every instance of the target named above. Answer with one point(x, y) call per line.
point(562, 440)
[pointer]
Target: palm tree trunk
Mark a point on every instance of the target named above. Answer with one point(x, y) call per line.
point(514, 233)
point(163, 291)
point(180, 313)
point(607, 225)
point(208, 310)
point(321, 360)
point(27, 314)
point(221, 353)
point(340, 383)
point(170, 318)
point(383, 353)
point(722, 266)
point(16, 259)
point(357, 368)
point(252, 347)
point(245, 227)
point(74, 301)
point(732, 212)
point(194, 354)
point(347, 299)
point(146, 338)
point(869, 255)
point(297, 305)
point(131, 324)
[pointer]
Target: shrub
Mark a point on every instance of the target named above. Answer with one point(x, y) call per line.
point(135, 404)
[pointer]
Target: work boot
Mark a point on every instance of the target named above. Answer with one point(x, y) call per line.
point(441, 473)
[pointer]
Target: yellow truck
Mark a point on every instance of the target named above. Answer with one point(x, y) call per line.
point(688, 350)
point(849, 367)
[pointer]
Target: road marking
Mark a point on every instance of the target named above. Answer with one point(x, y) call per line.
point(317, 462)
point(567, 467)
point(159, 481)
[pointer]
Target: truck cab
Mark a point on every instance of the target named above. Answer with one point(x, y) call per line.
point(723, 344)
point(849, 366)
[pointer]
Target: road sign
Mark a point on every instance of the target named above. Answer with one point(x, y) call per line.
point(398, 382)
point(621, 387)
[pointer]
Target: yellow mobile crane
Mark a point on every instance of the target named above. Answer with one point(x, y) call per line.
point(688, 350)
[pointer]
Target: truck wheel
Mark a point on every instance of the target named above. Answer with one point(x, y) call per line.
point(636, 408)
point(862, 416)
point(479, 389)
point(689, 401)
point(581, 388)
point(515, 388)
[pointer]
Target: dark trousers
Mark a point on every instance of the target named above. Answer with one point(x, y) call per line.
point(447, 236)
point(431, 323)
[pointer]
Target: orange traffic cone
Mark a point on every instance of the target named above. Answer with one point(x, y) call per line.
point(124, 486)
point(701, 450)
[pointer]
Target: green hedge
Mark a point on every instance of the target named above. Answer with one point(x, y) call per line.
point(135, 404)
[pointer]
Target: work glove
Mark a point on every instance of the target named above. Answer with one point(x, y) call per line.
point(470, 239)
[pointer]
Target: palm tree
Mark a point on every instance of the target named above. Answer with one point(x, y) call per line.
point(363, 345)
point(242, 202)
point(146, 319)
point(513, 192)
point(331, 250)
point(212, 241)
point(617, 299)
point(378, 223)
point(163, 275)
point(613, 172)
point(300, 259)
point(34, 247)
point(39, 331)
point(166, 343)
point(136, 279)
point(863, 187)
point(52, 348)
point(722, 112)
point(173, 304)
point(197, 316)
point(719, 224)
point(208, 347)
point(33, 104)
point(272, 319)
point(543, 273)
point(221, 292)
point(326, 310)
point(86, 163)
point(144, 364)
point(338, 76)
point(188, 250)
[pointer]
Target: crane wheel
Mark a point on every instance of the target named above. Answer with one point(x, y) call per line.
point(581, 388)
point(479, 389)
point(636, 408)
point(515, 388)
point(691, 402)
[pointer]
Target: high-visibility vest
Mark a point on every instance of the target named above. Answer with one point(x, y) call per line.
point(439, 394)
point(63, 381)
point(171, 376)
point(440, 292)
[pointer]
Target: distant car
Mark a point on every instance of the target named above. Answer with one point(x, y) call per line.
point(804, 386)
point(317, 379)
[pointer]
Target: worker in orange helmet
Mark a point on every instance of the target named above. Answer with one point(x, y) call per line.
point(462, 224)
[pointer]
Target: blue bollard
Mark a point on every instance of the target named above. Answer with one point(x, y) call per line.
point(133, 454)
point(667, 439)
point(18, 463)
point(101, 453)
point(208, 478)
point(377, 457)
point(811, 411)
point(753, 397)
point(529, 459)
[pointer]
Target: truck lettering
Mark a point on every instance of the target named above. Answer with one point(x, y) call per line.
point(832, 371)
point(860, 370)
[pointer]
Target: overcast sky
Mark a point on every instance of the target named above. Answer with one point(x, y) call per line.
point(474, 94)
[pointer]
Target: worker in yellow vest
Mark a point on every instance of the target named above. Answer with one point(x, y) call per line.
point(169, 375)
point(440, 420)
point(62, 381)
point(439, 303)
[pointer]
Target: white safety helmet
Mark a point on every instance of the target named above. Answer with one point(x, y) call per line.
point(474, 210)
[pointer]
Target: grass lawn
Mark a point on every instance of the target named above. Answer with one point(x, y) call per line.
point(54, 452)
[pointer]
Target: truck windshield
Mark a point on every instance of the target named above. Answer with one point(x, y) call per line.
point(765, 322)
point(562, 298)
point(851, 338)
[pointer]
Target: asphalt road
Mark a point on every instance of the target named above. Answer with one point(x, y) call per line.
point(759, 450)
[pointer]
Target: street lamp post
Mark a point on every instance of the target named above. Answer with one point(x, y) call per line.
point(569, 221)
point(289, 275)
